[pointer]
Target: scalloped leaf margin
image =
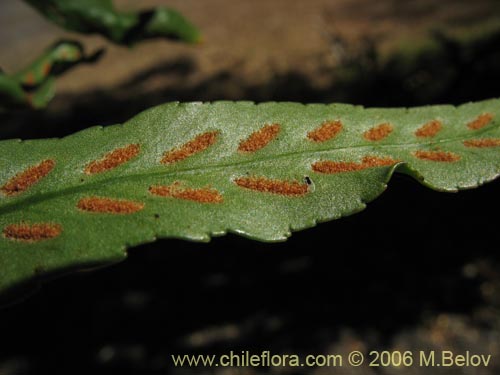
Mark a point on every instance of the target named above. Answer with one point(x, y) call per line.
point(196, 170)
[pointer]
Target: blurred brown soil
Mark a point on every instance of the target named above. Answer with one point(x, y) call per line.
point(253, 40)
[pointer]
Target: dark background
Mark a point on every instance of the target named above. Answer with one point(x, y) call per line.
point(417, 270)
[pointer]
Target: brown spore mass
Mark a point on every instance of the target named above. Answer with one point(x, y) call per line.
point(429, 129)
point(113, 159)
point(260, 138)
point(327, 131)
point(441, 156)
point(29, 79)
point(46, 68)
point(108, 205)
point(32, 232)
point(378, 132)
point(266, 185)
point(198, 144)
point(480, 122)
point(485, 142)
point(332, 167)
point(24, 180)
point(203, 195)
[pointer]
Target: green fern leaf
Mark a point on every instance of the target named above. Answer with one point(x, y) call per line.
point(33, 86)
point(100, 16)
point(196, 170)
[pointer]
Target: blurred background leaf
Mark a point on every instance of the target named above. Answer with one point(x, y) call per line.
point(100, 16)
point(33, 86)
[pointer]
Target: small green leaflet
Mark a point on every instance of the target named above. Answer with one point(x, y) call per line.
point(195, 170)
point(33, 86)
point(100, 16)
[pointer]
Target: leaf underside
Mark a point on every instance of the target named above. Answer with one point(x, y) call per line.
point(195, 170)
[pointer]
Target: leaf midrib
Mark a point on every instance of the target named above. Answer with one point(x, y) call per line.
point(33, 199)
